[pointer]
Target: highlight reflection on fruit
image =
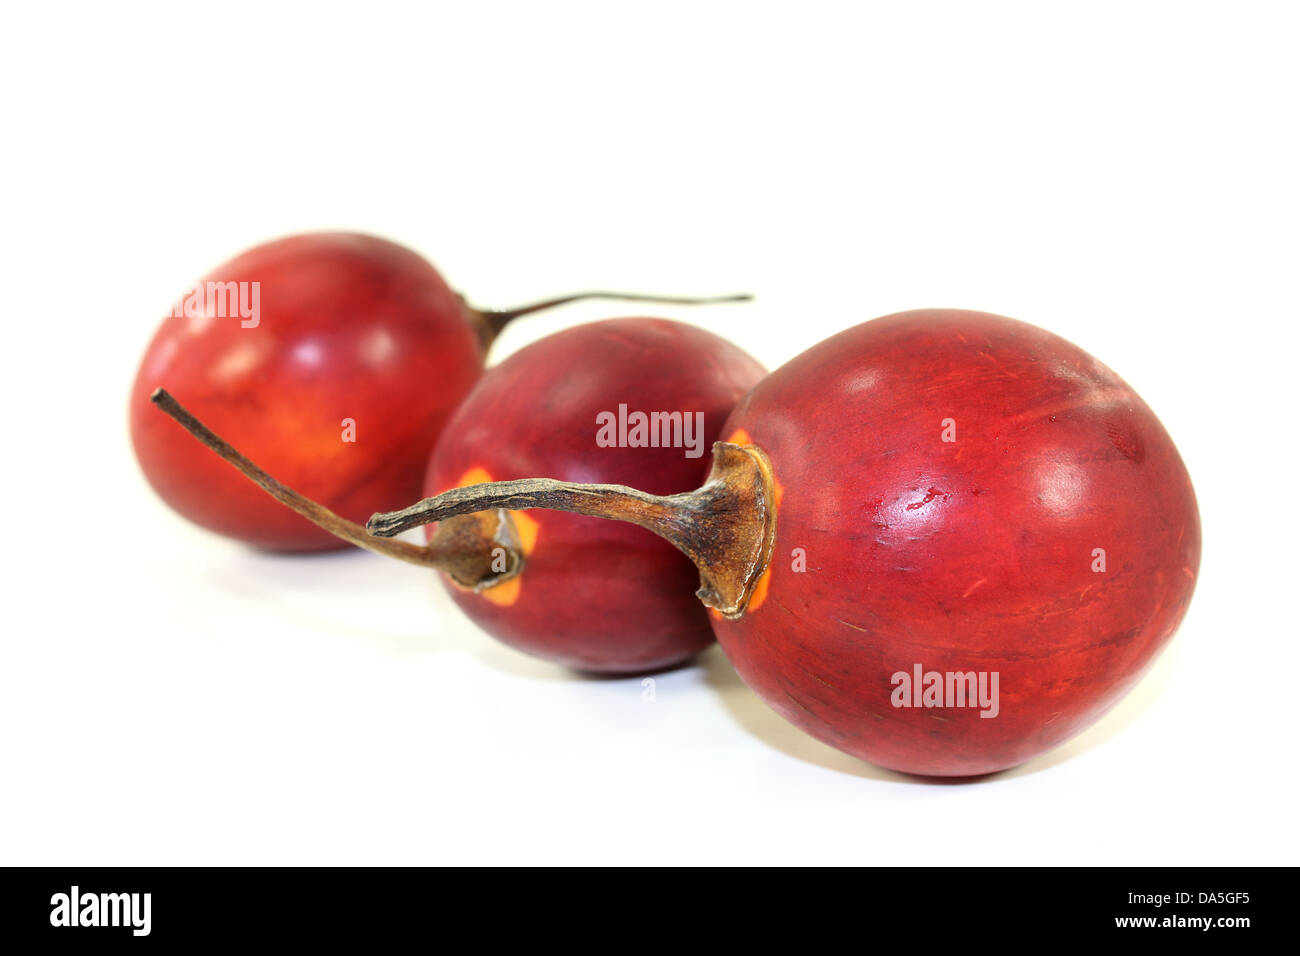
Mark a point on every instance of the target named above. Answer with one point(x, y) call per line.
point(942, 488)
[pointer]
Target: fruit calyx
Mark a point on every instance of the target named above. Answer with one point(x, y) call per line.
point(489, 322)
point(479, 550)
point(469, 549)
point(727, 526)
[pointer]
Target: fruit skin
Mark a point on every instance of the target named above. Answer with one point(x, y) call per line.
point(351, 327)
point(974, 555)
point(594, 595)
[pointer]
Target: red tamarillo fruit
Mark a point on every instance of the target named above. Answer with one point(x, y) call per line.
point(936, 492)
point(589, 594)
point(336, 357)
point(596, 595)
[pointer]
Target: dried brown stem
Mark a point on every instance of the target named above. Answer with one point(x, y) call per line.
point(461, 548)
point(727, 526)
point(490, 322)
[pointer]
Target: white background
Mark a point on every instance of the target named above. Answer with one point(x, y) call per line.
point(1122, 174)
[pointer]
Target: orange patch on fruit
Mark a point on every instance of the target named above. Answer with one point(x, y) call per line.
point(504, 594)
point(760, 591)
point(507, 592)
point(526, 527)
point(475, 476)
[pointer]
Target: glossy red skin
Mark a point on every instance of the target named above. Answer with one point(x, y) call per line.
point(975, 555)
point(351, 326)
point(596, 595)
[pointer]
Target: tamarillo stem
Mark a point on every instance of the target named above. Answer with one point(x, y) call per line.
point(490, 322)
point(727, 527)
point(452, 550)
